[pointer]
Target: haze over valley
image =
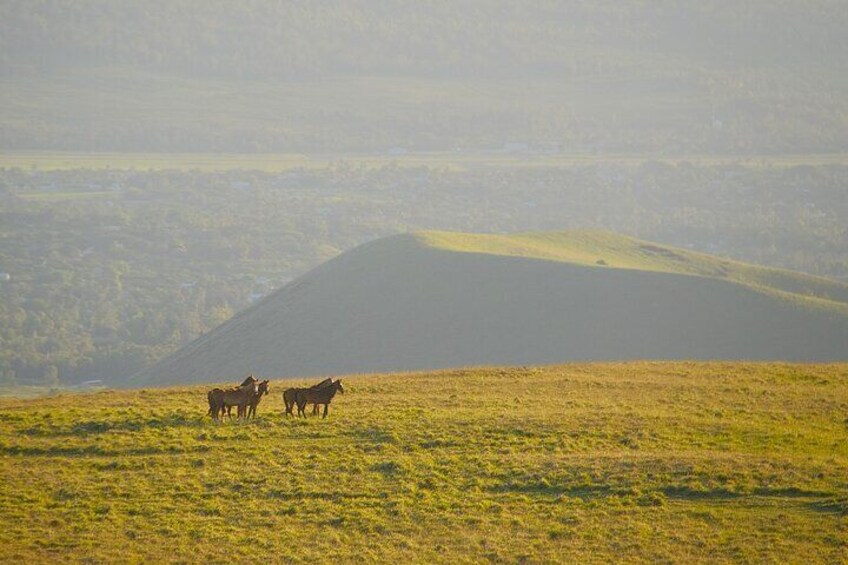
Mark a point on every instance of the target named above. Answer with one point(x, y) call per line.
point(381, 281)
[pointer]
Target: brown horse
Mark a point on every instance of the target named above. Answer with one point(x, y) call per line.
point(228, 408)
point(290, 395)
point(238, 396)
point(317, 396)
point(261, 390)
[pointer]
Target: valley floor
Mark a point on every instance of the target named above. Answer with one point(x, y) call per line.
point(643, 462)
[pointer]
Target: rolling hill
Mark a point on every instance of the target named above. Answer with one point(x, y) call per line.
point(437, 299)
point(640, 462)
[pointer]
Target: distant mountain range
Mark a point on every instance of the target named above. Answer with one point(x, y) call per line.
point(577, 76)
point(437, 299)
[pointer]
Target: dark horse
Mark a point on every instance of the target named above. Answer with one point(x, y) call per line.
point(220, 402)
point(290, 395)
point(239, 396)
point(261, 390)
point(317, 396)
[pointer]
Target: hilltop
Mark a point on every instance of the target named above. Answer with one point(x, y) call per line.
point(642, 462)
point(438, 299)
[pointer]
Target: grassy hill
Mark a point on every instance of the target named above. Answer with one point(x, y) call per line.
point(639, 462)
point(606, 249)
point(436, 300)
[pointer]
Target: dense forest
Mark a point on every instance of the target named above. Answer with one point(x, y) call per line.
point(370, 75)
point(104, 271)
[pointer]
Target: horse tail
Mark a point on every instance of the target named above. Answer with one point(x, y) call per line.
point(213, 407)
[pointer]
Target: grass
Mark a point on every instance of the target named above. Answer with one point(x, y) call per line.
point(597, 248)
point(66, 196)
point(432, 300)
point(282, 162)
point(641, 462)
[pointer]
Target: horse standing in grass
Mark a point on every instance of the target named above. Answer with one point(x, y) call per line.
point(228, 408)
point(261, 390)
point(238, 396)
point(323, 395)
point(290, 396)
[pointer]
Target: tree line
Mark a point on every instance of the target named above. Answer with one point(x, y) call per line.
point(103, 272)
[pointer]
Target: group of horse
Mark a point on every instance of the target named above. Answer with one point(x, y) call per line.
point(322, 393)
point(246, 396)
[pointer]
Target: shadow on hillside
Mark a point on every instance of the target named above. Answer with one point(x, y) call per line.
point(298, 495)
point(95, 451)
point(691, 493)
point(371, 434)
point(837, 506)
point(543, 488)
point(135, 424)
point(819, 501)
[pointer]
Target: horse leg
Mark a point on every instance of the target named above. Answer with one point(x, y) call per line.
point(326, 409)
point(315, 409)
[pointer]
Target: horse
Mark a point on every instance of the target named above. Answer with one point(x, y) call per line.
point(238, 396)
point(261, 390)
point(290, 395)
point(229, 408)
point(317, 396)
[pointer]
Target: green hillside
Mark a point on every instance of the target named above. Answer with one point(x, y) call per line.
point(635, 462)
point(438, 300)
point(605, 249)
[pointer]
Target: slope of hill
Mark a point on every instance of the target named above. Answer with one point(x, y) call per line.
point(636, 462)
point(435, 300)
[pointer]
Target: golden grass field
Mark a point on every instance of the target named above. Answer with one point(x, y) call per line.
point(653, 462)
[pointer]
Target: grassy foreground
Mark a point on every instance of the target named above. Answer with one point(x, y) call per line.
point(650, 462)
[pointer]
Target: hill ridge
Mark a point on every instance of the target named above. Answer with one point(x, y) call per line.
point(431, 300)
point(658, 257)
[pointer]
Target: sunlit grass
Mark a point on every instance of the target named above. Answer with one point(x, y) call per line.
point(65, 196)
point(603, 249)
point(652, 462)
point(282, 162)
